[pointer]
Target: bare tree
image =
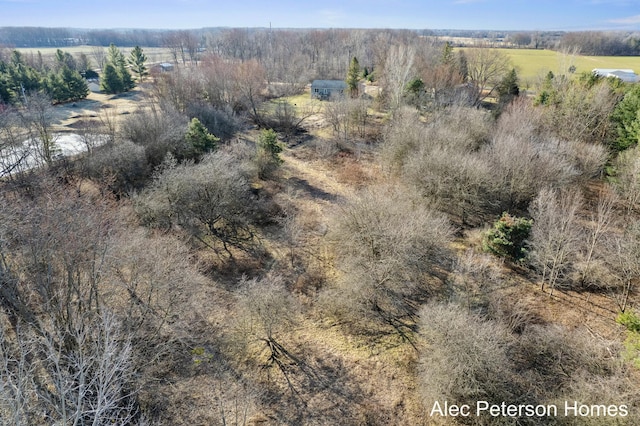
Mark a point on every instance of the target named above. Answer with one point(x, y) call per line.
point(526, 159)
point(38, 118)
point(93, 378)
point(159, 130)
point(250, 85)
point(76, 350)
point(625, 254)
point(90, 134)
point(14, 153)
point(466, 358)
point(627, 181)
point(100, 55)
point(212, 201)
point(348, 117)
point(397, 72)
point(473, 279)
point(183, 45)
point(287, 118)
point(555, 234)
point(442, 162)
point(386, 243)
point(581, 111)
point(18, 394)
point(486, 68)
point(77, 374)
point(266, 310)
point(598, 229)
point(120, 168)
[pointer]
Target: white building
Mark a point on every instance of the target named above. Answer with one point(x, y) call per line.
point(626, 75)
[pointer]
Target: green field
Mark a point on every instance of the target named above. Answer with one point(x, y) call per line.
point(533, 64)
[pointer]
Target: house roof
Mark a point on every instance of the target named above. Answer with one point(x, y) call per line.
point(329, 84)
point(626, 75)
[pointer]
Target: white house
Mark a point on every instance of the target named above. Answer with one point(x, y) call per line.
point(626, 75)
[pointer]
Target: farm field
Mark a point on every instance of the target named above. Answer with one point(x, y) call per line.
point(154, 54)
point(531, 64)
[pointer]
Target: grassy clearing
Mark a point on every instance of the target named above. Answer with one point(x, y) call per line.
point(67, 115)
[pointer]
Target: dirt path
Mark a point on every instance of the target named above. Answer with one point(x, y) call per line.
point(313, 179)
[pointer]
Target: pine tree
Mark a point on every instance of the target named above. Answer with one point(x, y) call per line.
point(508, 88)
point(110, 81)
point(125, 77)
point(353, 77)
point(447, 53)
point(114, 56)
point(268, 155)
point(199, 139)
point(76, 85)
point(137, 61)
point(626, 117)
point(55, 88)
point(116, 60)
point(7, 95)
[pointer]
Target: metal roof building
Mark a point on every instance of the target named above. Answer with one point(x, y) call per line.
point(626, 75)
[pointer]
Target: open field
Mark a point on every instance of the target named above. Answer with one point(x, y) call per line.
point(154, 54)
point(531, 64)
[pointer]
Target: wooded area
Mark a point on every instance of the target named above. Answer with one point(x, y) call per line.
point(235, 252)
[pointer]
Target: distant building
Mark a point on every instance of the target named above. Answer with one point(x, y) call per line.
point(163, 67)
point(626, 75)
point(94, 85)
point(326, 89)
point(166, 67)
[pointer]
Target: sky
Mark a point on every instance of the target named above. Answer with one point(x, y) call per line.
point(540, 15)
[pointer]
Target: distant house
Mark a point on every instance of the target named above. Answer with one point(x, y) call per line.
point(626, 75)
point(326, 89)
point(163, 67)
point(166, 67)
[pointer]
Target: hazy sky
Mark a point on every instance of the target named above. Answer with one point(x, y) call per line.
point(419, 14)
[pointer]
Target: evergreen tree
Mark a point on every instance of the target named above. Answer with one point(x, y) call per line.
point(114, 56)
point(508, 88)
point(125, 78)
point(61, 84)
point(353, 77)
point(76, 85)
point(199, 139)
point(64, 59)
point(268, 142)
point(7, 95)
point(110, 81)
point(116, 60)
point(447, 53)
point(626, 116)
point(55, 87)
point(269, 149)
point(547, 95)
point(463, 65)
point(137, 61)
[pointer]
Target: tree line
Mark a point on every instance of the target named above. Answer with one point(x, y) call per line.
point(65, 78)
point(61, 80)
